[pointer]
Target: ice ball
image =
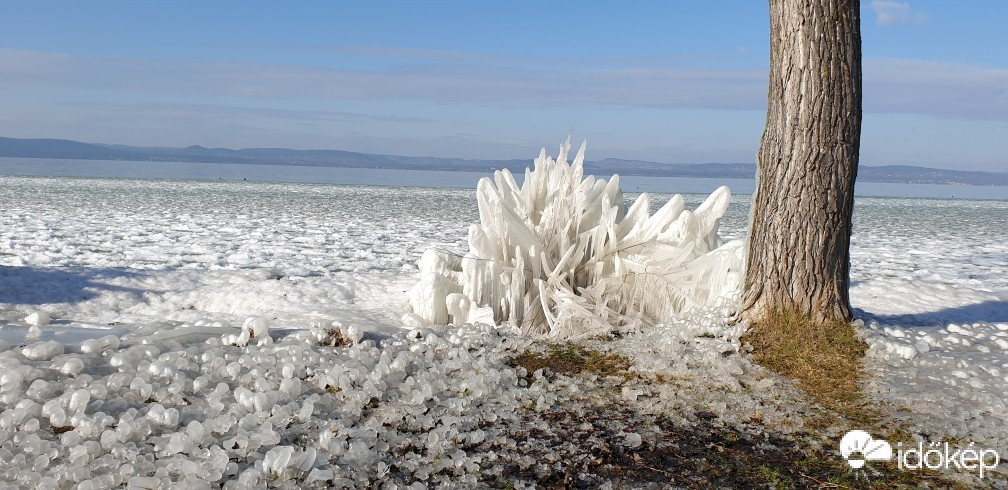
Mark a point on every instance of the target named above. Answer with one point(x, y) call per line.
point(257, 326)
point(42, 351)
point(72, 366)
point(277, 459)
point(37, 318)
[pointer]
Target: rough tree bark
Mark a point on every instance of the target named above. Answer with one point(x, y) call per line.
point(800, 229)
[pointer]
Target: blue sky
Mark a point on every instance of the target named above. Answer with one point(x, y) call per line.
point(661, 81)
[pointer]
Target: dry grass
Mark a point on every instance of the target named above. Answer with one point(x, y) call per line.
point(701, 453)
point(824, 358)
point(572, 359)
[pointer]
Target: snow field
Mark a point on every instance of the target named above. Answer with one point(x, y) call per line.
point(931, 280)
point(296, 229)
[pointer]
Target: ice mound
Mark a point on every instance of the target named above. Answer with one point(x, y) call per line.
point(563, 256)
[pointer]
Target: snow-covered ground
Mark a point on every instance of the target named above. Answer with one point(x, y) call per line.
point(931, 278)
point(130, 376)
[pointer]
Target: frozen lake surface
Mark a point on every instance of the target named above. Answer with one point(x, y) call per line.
point(137, 258)
point(155, 236)
point(425, 178)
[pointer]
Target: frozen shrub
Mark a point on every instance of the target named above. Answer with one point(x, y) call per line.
point(563, 256)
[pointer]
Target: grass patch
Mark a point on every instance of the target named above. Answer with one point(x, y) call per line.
point(825, 361)
point(705, 453)
point(824, 358)
point(824, 469)
point(773, 477)
point(702, 453)
point(572, 359)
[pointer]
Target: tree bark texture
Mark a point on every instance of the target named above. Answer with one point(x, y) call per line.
point(799, 237)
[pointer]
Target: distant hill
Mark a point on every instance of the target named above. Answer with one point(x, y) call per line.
point(924, 175)
point(51, 148)
point(66, 149)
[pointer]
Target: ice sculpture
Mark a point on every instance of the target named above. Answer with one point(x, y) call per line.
point(563, 256)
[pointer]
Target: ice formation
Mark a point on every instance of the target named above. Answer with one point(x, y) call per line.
point(562, 255)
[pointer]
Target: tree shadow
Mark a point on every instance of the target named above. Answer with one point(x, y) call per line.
point(992, 311)
point(44, 285)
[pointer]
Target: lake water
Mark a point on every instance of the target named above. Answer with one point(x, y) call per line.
point(425, 178)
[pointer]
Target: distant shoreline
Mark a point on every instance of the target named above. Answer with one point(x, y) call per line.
point(72, 150)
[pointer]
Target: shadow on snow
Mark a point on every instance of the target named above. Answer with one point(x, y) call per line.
point(47, 285)
point(993, 311)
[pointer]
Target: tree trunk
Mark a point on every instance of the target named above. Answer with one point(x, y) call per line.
point(799, 237)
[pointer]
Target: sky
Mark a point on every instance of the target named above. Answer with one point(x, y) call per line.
point(673, 82)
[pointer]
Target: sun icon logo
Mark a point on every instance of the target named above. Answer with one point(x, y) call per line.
point(858, 447)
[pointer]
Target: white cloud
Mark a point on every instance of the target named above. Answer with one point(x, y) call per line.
point(888, 12)
point(902, 86)
point(640, 84)
point(246, 112)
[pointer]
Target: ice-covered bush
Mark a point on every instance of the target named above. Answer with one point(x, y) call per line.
point(563, 255)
